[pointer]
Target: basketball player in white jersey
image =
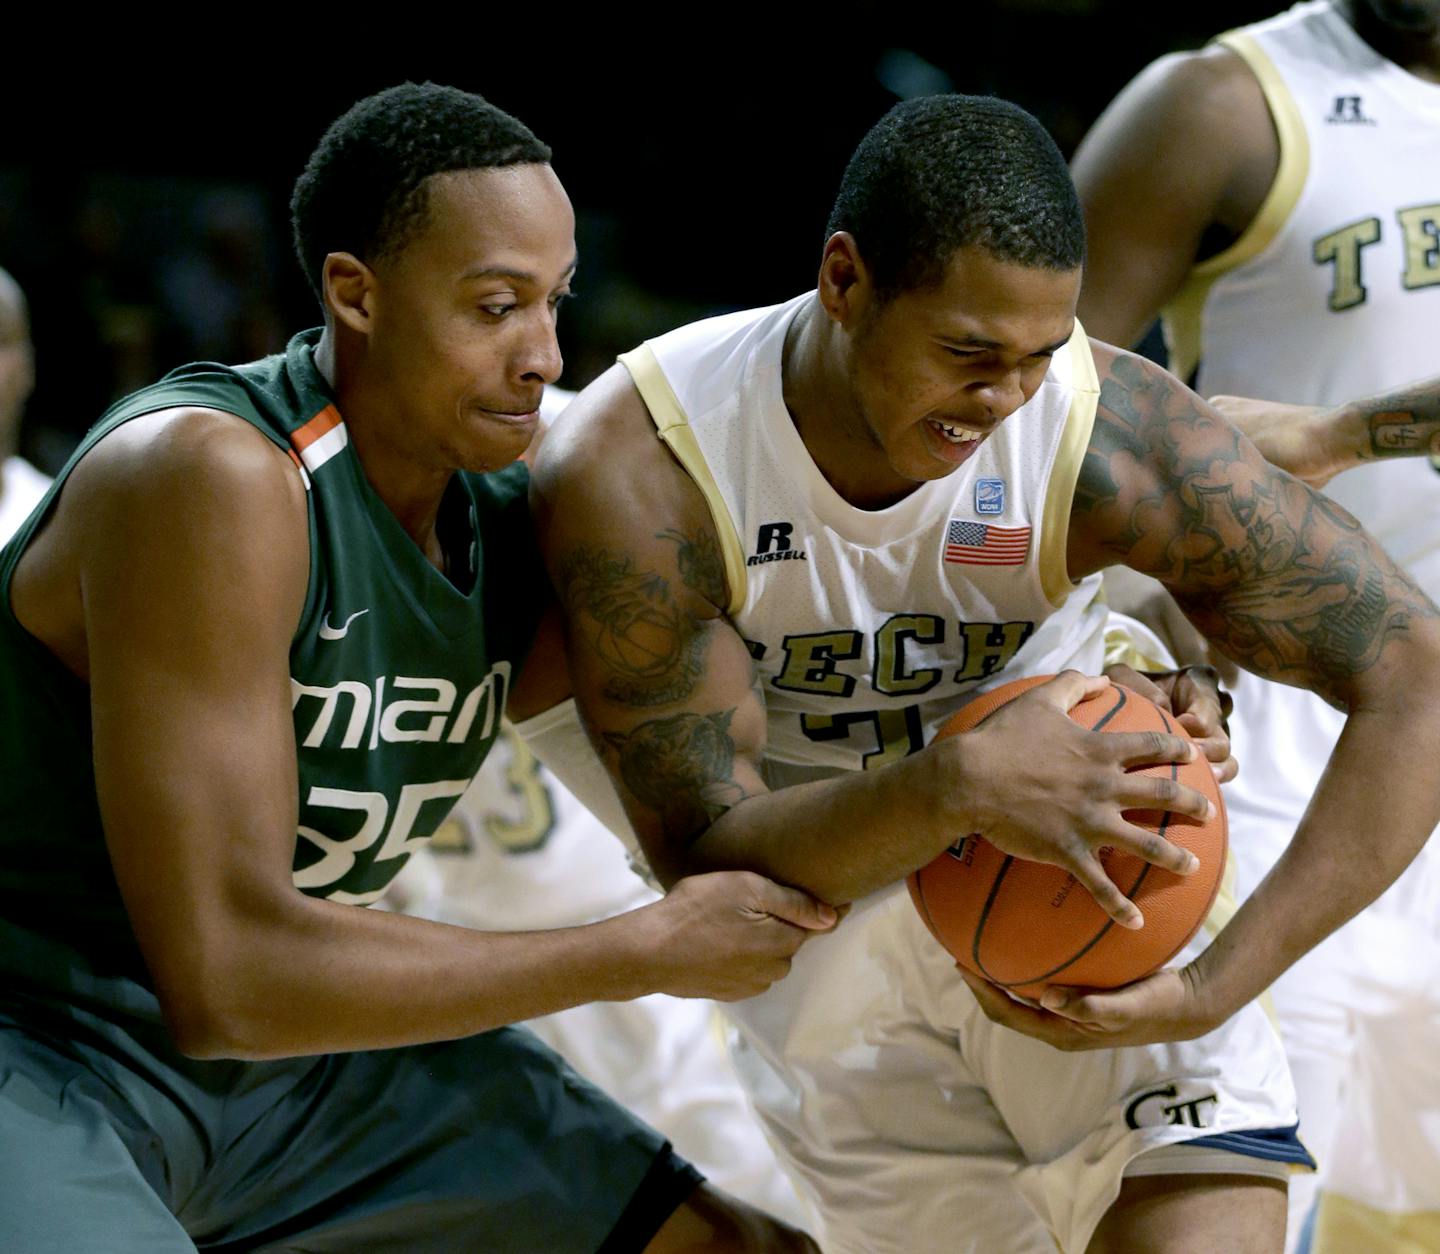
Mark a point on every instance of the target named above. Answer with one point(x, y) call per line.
point(1278, 195)
point(520, 853)
point(864, 506)
point(21, 485)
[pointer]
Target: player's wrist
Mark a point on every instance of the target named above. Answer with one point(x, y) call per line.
point(943, 795)
point(632, 954)
point(1211, 998)
point(1344, 435)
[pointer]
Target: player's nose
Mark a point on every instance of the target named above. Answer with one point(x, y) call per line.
point(1001, 395)
point(538, 355)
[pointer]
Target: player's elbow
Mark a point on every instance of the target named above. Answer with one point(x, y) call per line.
point(217, 1003)
point(1405, 677)
point(206, 1025)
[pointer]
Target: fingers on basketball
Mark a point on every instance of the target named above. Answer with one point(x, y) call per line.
point(1026, 926)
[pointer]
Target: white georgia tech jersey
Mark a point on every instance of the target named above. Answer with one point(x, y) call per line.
point(870, 627)
point(1334, 291)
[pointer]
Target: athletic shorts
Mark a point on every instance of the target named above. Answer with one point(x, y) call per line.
point(111, 1142)
point(915, 1123)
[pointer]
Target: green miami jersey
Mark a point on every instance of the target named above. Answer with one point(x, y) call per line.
point(399, 674)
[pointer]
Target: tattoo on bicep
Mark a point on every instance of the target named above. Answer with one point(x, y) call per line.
point(681, 767)
point(701, 565)
point(650, 647)
point(1278, 575)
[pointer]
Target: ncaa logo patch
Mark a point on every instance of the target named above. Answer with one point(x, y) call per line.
point(990, 496)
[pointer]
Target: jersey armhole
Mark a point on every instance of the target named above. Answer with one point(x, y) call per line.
point(1065, 471)
point(1182, 317)
point(674, 429)
point(190, 394)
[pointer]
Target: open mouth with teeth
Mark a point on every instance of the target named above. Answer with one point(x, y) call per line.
point(956, 435)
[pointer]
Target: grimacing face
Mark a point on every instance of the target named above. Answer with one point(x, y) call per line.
point(464, 315)
point(935, 371)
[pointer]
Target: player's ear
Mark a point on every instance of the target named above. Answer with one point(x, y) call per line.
point(845, 286)
point(349, 287)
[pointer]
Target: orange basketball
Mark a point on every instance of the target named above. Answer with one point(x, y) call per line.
point(1024, 925)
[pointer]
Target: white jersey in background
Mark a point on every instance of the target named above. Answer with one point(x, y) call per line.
point(1331, 294)
point(913, 1121)
point(519, 853)
point(21, 487)
point(1334, 291)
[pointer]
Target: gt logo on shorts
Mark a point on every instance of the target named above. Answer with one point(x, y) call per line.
point(1145, 1110)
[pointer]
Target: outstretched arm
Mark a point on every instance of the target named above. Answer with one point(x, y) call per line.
point(1316, 444)
point(172, 578)
point(667, 689)
point(1287, 584)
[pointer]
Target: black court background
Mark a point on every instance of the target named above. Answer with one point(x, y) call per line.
point(146, 157)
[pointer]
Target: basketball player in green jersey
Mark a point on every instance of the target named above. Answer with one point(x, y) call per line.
point(293, 597)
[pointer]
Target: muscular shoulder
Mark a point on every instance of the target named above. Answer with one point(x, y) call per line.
point(1197, 124)
point(200, 469)
point(192, 489)
point(1157, 454)
point(606, 489)
point(605, 430)
point(1193, 93)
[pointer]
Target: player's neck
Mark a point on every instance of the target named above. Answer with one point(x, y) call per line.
point(410, 490)
point(822, 405)
point(1417, 53)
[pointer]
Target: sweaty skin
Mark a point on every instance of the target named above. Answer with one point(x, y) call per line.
point(1280, 579)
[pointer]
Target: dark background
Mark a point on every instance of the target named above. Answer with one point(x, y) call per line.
point(144, 179)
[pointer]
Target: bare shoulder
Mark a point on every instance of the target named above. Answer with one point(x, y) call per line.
point(1192, 123)
point(190, 488)
point(1195, 89)
point(1157, 452)
point(203, 483)
point(606, 489)
point(1276, 574)
point(605, 444)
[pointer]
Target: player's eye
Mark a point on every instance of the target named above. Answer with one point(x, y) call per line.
point(496, 311)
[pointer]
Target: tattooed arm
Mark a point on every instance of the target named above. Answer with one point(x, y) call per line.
point(1288, 585)
point(667, 690)
point(664, 682)
point(1316, 444)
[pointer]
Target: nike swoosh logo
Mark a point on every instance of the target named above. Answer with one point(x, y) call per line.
point(328, 632)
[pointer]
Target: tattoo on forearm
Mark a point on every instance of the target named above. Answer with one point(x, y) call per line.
point(651, 647)
point(1403, 424)
point(1278, 575)
point(682, 767)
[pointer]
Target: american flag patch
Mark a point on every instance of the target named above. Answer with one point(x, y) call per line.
point(981, 544)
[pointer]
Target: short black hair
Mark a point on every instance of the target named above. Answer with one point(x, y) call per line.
point(363, 190)
point(941, 172)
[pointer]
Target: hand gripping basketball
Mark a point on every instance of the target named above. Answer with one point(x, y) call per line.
point(1007, 902)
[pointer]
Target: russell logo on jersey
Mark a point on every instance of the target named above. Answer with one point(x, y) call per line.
point(1348, 111)
point(773, 544)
